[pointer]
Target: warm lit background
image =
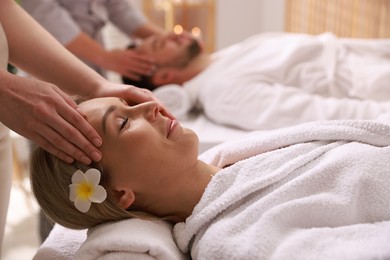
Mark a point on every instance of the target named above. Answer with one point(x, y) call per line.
point(220, 23)
point(223, 22)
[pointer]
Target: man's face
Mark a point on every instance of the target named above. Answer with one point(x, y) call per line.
point(171, 50)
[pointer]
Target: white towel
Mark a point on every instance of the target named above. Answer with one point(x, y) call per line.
point(374, 132)
point(315, 191)
point(61, 244)
point(130, 239)
point(175, 98)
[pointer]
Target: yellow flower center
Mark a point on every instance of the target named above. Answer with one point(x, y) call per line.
point(84, 190)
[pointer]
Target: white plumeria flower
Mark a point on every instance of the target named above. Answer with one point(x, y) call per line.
point(85, 189)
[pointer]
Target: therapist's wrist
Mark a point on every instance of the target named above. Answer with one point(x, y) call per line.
point(97, 89)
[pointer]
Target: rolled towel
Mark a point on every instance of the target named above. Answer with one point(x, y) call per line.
point(130, 239)
point(175, 98)
point(61, 244)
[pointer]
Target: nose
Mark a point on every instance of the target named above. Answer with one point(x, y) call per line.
point(173, 37)
point(150, 110)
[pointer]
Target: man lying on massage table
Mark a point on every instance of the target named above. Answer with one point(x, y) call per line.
point(276, 79)
point(313, 190)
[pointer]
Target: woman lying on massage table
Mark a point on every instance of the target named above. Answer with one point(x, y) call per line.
point(297, 191)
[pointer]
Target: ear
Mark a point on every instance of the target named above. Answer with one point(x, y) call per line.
point(124, 197)
point(164, 77)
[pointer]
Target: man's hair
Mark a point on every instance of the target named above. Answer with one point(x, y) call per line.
point(144, 82)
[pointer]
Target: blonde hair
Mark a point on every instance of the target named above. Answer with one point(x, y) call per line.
point(50, 180)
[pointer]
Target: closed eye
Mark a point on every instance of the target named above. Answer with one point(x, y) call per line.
point(124, 123)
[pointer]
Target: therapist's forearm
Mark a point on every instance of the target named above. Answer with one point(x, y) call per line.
point(34, 50)
point(87, 49)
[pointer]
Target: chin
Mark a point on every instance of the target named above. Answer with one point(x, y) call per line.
point(193, 139)
point(190, 132)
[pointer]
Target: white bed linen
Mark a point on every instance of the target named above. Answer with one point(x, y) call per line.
point(274, 80)
point(210, 133)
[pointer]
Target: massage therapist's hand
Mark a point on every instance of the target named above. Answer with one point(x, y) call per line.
point(129, 63)
point(41, 112)
point(133, 95)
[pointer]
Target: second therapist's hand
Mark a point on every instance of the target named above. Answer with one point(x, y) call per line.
point(129, 63)
point(41, 112)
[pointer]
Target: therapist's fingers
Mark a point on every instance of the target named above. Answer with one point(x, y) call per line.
point(138, 64)
point(45, 144)
point(74, 130)
point(58, 143)
point(68, 131)
point(40, 111)
point(128, 61)
point(78, 119)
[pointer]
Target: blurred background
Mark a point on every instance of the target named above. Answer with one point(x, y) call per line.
point(219, 23)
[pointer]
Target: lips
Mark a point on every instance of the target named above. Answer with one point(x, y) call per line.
point(171, 126)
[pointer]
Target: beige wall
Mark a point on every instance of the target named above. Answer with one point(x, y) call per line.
point(239, 19)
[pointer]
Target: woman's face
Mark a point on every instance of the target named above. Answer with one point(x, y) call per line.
point(142, 149)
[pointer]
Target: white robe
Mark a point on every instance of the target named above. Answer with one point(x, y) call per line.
point(315, 191)
point(280, 79)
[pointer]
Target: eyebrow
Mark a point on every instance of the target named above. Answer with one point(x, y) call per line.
point(105, 116)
